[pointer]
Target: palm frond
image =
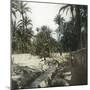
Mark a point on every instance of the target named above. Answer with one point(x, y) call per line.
point(67, 11)
point(63, 8)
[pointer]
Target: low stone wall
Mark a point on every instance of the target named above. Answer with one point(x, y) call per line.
point(79, 67)
point(79, 57)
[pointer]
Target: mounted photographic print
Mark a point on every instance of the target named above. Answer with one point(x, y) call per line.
point(48, 44)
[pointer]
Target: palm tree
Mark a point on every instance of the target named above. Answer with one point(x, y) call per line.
point(22, 9)
point(60, 22)
point(75, 19)
point(67, 7)
point(22, 32)
point(26, 22)
point(13, 27)
point(43, 43)
point(27, 33)
point(16, 37)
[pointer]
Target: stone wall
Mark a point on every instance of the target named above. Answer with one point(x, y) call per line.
point(79, 67)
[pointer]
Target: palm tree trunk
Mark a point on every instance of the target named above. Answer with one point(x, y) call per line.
point(78, 26)
point(23, 32)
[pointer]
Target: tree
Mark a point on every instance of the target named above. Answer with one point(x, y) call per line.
point(75, 19)
point(21, 30)
point(42, 39)
point(84, 15)
point(44, 42)
point(68, 40)
point(13, 35)
point(22, 9)
point(60, 22)
point(58, 19)
point(26, 22)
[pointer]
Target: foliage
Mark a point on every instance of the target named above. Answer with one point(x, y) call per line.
point(73, 37)
point(21, 30)
point(44, 43)
point(75, 19)
point(70, 34)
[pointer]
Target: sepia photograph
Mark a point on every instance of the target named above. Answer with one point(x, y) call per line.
point(49, 44)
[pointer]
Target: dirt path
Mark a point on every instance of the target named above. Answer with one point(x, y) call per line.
point(27, 60)
point(35, 62)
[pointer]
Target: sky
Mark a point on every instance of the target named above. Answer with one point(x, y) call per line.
point(44, 14)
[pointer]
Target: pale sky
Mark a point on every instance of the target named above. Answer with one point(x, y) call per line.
point(44, 14)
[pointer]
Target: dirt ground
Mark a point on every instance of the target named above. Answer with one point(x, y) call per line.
point(35, 62)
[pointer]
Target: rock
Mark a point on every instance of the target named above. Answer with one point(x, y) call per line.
point(59, 82)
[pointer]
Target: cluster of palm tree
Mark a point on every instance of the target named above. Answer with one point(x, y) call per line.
point(21, 29)
point(70, 34)
point(73, 36)
point(43, 43)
